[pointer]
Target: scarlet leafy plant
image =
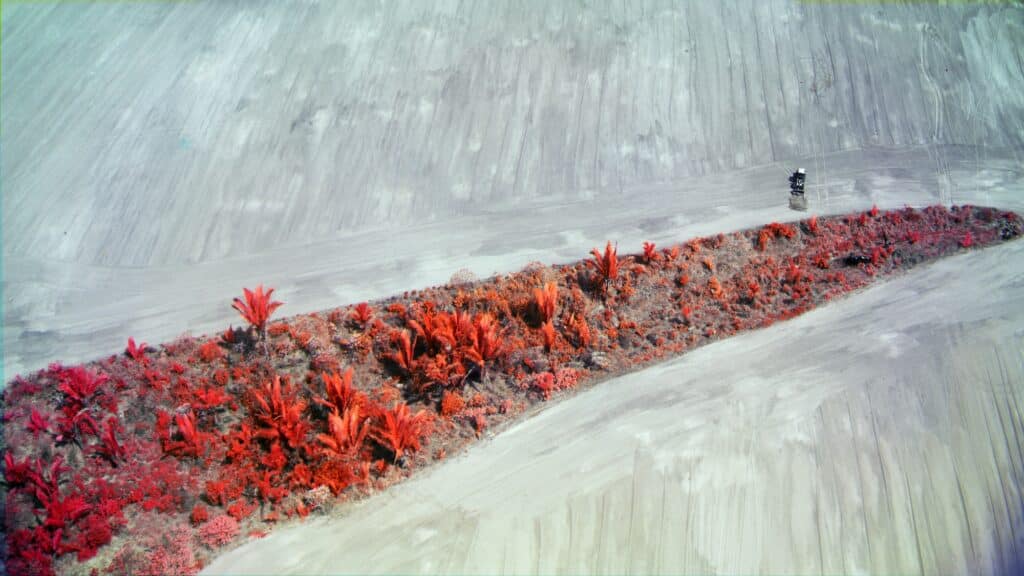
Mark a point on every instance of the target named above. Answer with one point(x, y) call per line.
point(78, 385)
point(582, 329)
point(190, 441)
point(278, 415)
point(137, 352)
point(341, 395)
point(774, 230)
point(486, 341)
point(398, 430)
point(607, 264)
point(347, 433)
point(546, 301)
point(362, 314)
point(257, 307)
point(650, 252)
point(109, 448)
point(548, 331)
point(37, 423)
point(436, 330)
point(452, 404)
point(403, 357)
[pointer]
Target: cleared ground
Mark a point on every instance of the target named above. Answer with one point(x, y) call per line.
point(157, 156)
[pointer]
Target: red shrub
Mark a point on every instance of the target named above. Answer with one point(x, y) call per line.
point(543, 383)
point(452, 404)
point(582, 329)
point(174, 557)
point(199, 514)
point(77, 384)
point(715, 288)
point(210, 351)
point(219, 531)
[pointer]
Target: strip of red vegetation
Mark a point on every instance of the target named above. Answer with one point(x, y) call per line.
point(149, 461)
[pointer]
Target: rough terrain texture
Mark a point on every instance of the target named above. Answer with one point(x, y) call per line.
point(157, 156)
point(150, 461)
point(155, 149)
point(879, 434)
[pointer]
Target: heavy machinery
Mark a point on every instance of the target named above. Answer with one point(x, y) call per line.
point(797, 201)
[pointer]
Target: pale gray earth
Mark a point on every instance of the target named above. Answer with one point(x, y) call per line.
point(158, 156)
point(878, 435)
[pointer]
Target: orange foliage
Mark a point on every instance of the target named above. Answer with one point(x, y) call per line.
point(546, 300)
point(548, 331)
point(486, 343)
point(607, 264)
point(452, 404)
point(403, 357)
point(399, 431)
point(650, 252)
point(362, 314)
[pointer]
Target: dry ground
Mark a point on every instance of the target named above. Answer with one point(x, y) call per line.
point(157, 156)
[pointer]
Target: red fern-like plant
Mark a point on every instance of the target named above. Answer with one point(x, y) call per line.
point(606, 265)
point(362, 314)
point(548, 331)
point(398, 430)
point(403, 357)
point(650, 252)
point(341, 395)
point(486, 341)
point(436, 330)
point(546, 301)
point(278, 415)
point(347, 433)
point(257, 307)
point(137, 352)
point(191, 441)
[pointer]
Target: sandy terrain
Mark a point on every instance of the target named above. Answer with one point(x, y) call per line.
point(157, 156)
point(881, 434)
